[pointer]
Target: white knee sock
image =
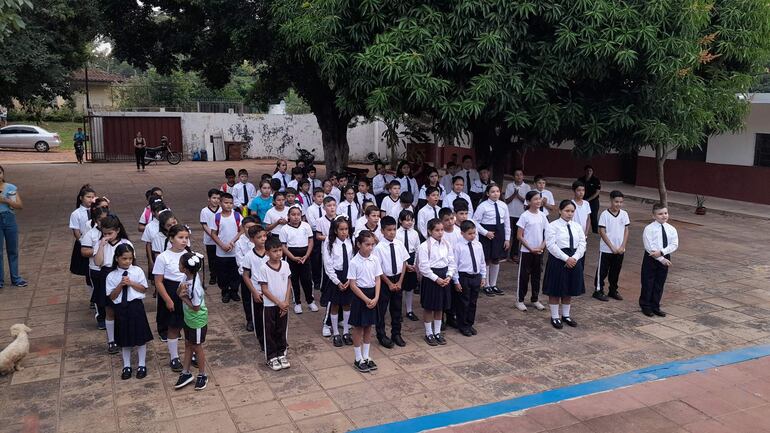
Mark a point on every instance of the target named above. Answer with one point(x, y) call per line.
point(357, 351)
point(173, 348)
point(489, 276)
point(335, 324)
point(365, 352)
point(142, 355)
point(494, 269)
point(554, 310)
point(345, 319)
point(437, 326)
point(565, 310)
point(126, 357)
point(408, 299)
point(428, 329)
point(110, 325)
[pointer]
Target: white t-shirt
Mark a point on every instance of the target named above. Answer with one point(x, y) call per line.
point(135, 274)
point(361, 226)
point(581, 215)
point(150, 231)
point(253, 263)
point(167, 265)
point(207, 217)
point(277, 281)
point(91, 239)
point(79, 219)
point(534, 225)
point(296, 237)
point(272, 215)
point(109, 251)
point(516, 207)
point(323, 225)
point(242, 247)
point(389, 205)
point(227, 231)
point(551, 201)
point(364, 270)
point(615, 227)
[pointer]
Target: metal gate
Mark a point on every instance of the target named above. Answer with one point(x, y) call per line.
point(112, 137)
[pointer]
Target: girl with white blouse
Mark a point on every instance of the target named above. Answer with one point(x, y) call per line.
point(494, 228)
point(364, 279)
point(297, 240)
point(337, 252)
point(436, 264)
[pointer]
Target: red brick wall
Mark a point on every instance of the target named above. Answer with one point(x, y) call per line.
point(562, 163)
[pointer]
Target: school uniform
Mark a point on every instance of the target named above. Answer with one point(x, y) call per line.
point(272, 216)
point(411, 240)
point(296, 240)
point(243, 193)
point(275, 326)
point(458, 223)
point(285, 178)
point(515, 209)
point(336, 265)
point(313, 215)
point(391, 255)
point(592, 185)
point(479, 189)
point(582, 215)
point(227, 265)
point(228, 189)
point(362, 197)
point(352, 210)
point(530, 265)
point(492, 216)
point(366, 271)
point(167, 266)
point(196, 323)
point(409, 184)
point(426, 214)
point(656, 237)
point(294, 183)
point(609, 262)
point(131, 325)
point(336, 193)
point(551, 201)
point(99, 278)
point(242, 246)
point(206, 218)
point(253, 262)
point(361, 226)
point(305, 200)
point(564, 239)
point(146, 216)
point(471, 269)
point(435, 260)
point(470, 176)
point(314, 183)
point(150, 230)
point(446, 181)
point(390, 207)
point(90, 239)
point(380, 184)
point(79, 220)
point(422, 197)
point(451, 196)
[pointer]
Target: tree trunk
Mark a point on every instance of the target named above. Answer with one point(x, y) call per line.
point(334, 135)
point(660, 160)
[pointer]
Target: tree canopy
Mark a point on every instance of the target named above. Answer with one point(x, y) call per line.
point(10, 18)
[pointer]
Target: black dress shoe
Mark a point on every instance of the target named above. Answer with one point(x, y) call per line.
point(235, 297)
point(431, 340)
point(385, 342)
point(473, 330)
point(337, 341)
point(466, 332)
point(569, 321)
point(141, 372)
point(489, 292)
point(497, 291)
point(616, 296)
point(250, 327)
point(556, 323)
point(598, 294)
point(347, 339)
point(647, 313)
point(440, 339)
point(126, 373)
point(417, 290)
point(225, 298)
point(659, 312)
point(411, 316)
point(213, 281)
point(398, 340)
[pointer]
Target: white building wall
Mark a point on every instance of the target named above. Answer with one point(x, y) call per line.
point(738, 148)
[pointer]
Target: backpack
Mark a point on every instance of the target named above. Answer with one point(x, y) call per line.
point(218, 219)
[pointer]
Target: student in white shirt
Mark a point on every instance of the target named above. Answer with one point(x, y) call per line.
point(452, 233)
point(660, 240)
point(468, 173)
point(337, 252)
point(242, 247)
point(463, 214)
point(613, 230)
point(428, 212)
point(79, 225)
point(349, 207)
point(331, 190)
point(151, 230)
point(297, 241)
point(436, 263)
point(305, 195)
point(125, 287)
point(151, 195)
point(458, 187)
point(393, 258)
point(243, 192)
point(89, 241)
point(297, 174)
point(275, 282)
point(447, 180)
point(196, 319)
point(380, 182)
point(530, 231)
point(433, 181)
point(206, 217)
point(411, 240)
point(370, 221)
point(480, 185)
point(408, 183)
point(322, 228)
point(281, 174)
point(582, 207)
point(226, 231)
point(471, 273)
point(515, 194)
point(314, 183)
point(113, 235)
point(390, 204)
point(494, 228)
point(363, 195)
point(252, 263)
point(312, 214)
point(277, 216)
point(566, 244)
point(548, 204)
point(364, 279)
point(229, 185)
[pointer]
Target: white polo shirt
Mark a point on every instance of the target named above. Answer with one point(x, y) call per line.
point(615, 227)
point(296, 237)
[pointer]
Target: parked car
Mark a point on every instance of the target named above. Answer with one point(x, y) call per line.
point(28, 137)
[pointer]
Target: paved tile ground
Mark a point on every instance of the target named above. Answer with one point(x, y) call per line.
point(730, 399)
point(717, 297)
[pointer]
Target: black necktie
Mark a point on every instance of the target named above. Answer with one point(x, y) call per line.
point(571, 239)
point(406, 240)
point(435, 213)
point(393, 258)
point(541, 206)
point(345, 259)
point(350, 213)
point(319, 212)
point(467, 181)
point(124, 295)
point(408, 185)
point(473, 258)
point(245, 195)
point(665, 237)
point(497, 213)
point(283, 178)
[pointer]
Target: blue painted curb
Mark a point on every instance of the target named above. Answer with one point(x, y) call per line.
point(647, 374)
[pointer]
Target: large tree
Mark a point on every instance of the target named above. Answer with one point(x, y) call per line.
point(10, 16)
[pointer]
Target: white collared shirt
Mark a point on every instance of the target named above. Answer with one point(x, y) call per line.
point(150, 230)
point(450, 198)
point(362, 197)
point(385, 254)
point(547, 195)
point(485, 214)
point(364, 270)
point(653, 239)
point(534, 226)
point(424, 188)
point(135, 274)
point(434, 254)
point(557, 237)
point(614, 227)
point(313, 213)
point(516, 206)
point(336, 193)
point(408, 182)
point(285, 178)
point(426, 214)
point(410, 238)
point(90, 239)
point(355, 210)
point(238, 198)
point(380, 183)
point(207, 218)
point(464, 262)
point(242, 246)
point(296, 237)
point(333, 260)
point(79, 219)
point(474, 176)
point(446, 181)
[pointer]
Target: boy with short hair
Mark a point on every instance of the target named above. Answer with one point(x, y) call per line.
point(393, 257)
point(660, 240)
point(252, 263)
point(447, 180)
point(370, 221)
point(515, 193)
point(274, 280)
point(207, 217)
point(243, 192)
point(406, 201)
point(582, 207)
point(291, 197)
point(411, 239)
point(225, 233)
point(462, 213)
point(229, 184)
point(313, 213)
point(457, 191)
point(548, 203)
point(470, 278)
point(242, 246)
point(429, 211)
point(468, 173)
point(613, 229)
point(314, 182)
point(297, 174)
point(322, 227)
point(381, 182)
point(391, 203)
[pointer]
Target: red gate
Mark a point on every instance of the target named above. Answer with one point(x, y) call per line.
point(116, 135)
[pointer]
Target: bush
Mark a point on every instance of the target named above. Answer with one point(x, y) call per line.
point(64, 114)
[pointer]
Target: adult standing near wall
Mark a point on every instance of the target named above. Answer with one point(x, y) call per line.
point(593, 188)
point(140, 149)
point(9, 231)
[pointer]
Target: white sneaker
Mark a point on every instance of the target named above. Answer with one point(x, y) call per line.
point(313, 307)
point(520, 306)
point(539, 306)
point(284, 361)
point(274, 364)
point(297, 309)
point(326, 331)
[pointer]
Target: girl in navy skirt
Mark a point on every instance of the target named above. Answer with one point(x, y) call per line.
point(566, 244)
point(126, 285)
point(79, 224)
point(337, 253)
point(364, 279)
point(494, 228)
point(436, 264)
point(113, 235)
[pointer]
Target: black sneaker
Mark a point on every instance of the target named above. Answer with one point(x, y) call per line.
point(201, 382)
point(556, 323)
point(431, 340)
point(112, 348)
point(250, 327)
point(176, 365)
point(337, 341)
point(226, 298)
point(440, 339)
point(235, 297)
point(184, 380)
point(126, 373)
point(372, 366)
point(362, 366)
point(411, 316)
point(347, 339)
point(141, 372)
point(616, 296)
point(569, 321)
point(100, 325)
point(489, 292)
point(194, 361)
point(91, 305)
point(598, 294)
point(497, 291)
point(163, 337)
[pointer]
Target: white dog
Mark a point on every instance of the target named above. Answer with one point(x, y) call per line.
point(11, 356)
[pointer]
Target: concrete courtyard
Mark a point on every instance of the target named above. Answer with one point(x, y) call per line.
point(717, 297)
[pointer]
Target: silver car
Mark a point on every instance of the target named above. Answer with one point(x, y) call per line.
point(28, 137)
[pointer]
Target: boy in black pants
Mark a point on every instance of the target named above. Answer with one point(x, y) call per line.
point(393, 257)
point(207, 217)
point(660, 240)
point(226, 231)
point(613, 229)
point(470, 278)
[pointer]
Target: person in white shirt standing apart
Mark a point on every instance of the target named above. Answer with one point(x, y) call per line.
point(660, 240)
point(495, 231)
point(515, 193)
point(564, 279)
point(613, 229)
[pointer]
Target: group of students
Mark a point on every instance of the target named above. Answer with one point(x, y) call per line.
point(368, 255)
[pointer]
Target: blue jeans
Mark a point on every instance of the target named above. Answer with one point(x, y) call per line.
point(9, 237)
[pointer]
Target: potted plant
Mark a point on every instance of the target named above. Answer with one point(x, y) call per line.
point(700, 201)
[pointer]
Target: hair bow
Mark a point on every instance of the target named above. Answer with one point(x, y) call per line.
point(195, 259)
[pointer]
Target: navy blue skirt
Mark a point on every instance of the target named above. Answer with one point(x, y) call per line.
point(410, 278)
point(434, 297)
point(131, 325)
point(339, 297)
point(561, 281)
point(173, 319)
point(78, 263)
point(494, 249)
point(99, 282)
point(360, 314)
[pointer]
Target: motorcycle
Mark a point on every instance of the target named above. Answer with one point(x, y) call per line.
point(153, 154)
point(305, 156)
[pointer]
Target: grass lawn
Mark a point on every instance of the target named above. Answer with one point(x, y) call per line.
point(66, 131)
